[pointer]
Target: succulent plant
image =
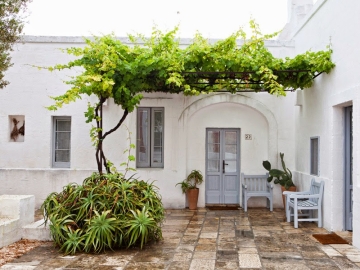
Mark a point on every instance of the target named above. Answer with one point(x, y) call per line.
point(281, 177)
point(192, 180)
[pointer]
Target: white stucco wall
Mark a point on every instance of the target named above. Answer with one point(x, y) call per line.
point(331, 22)
point(25, 167)
point(275, 123)
point(186, 120)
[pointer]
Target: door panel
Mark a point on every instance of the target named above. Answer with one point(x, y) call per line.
point(222, 166)
point(214, 183)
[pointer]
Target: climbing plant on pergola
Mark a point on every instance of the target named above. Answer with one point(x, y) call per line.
point(122, 72)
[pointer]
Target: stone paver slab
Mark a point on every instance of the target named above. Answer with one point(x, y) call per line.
point(249, 261)
point(247, 250)
point(208, 255)
point(203, 239)
point(202, 264)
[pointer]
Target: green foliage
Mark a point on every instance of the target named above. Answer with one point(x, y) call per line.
point(116, 70)
point(11, 26)
point(101, 231)
point(74, 241)
point(105, 212)
point(140, 227)
point(122, 72)
point(130, 156)
point(281, 177)
point(184, 185)
point(194, 178)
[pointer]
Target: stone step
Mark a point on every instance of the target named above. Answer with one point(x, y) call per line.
point(36, 231)
point(15, 212)
point(8, 230)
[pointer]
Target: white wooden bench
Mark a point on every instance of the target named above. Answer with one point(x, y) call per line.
point(256, 186)
point(306, 202)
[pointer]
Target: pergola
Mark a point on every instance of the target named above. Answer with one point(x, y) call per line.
point(243, 79)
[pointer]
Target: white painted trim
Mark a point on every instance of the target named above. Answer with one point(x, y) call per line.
point(125, 40)
point(244, 100)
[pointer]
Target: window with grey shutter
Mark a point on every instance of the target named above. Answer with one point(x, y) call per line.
point(314, 155)
point(61, 142)
point(150, 137)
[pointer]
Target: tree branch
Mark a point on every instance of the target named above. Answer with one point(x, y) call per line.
point(126, 112)
point(105, 163)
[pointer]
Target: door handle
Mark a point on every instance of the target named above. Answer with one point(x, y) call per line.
point(224, 166)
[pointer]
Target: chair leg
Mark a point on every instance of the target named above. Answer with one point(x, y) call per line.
point(288, 214)
point(245, 204)
point(287, 211)
point(296, 222)
point(320, 218)
point(242, 200)
point(271, 204)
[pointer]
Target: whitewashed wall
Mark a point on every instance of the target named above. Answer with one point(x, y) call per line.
point(275, 123)
point(336, 23)
point(25, 167)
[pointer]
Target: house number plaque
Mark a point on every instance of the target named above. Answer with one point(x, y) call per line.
point(248, 137)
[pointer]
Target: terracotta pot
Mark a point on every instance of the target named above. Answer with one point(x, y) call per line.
point(192, 195)
point(292, 189)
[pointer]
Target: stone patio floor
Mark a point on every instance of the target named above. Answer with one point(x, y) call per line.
point(205, 239)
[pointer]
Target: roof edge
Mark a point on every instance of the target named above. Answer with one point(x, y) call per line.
point(125, 40)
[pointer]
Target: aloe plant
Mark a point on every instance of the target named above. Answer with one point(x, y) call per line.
point(140, 226)
point(107, 211)
point(281, 177)
point(74, 241)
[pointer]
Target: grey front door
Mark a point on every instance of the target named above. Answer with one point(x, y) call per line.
point(222, 166)
point(348, 169)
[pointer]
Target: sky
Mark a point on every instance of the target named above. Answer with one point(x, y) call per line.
point(212, 18)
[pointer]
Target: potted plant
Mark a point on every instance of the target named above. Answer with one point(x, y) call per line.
point(189, 187)
point(282, 177)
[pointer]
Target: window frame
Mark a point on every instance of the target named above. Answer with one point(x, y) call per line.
point(315, 156)
point(150, 137)
point(57, 164)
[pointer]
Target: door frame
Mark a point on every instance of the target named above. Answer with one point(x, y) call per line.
point(348, 168)
point(238, 165)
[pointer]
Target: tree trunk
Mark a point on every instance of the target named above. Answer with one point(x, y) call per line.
point(100, 156)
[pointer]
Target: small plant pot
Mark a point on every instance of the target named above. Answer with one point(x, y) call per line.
point(292, 189)
point(193, 195)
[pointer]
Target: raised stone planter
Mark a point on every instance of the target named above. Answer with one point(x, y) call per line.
point(16, 211)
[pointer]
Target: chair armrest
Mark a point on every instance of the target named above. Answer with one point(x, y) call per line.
point(302, 192)
point(296, 192)
point(304, 196)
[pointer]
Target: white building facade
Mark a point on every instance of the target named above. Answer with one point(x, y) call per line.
point(320, 124)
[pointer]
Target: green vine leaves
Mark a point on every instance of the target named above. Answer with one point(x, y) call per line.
point(120, 71)
point(113, 69)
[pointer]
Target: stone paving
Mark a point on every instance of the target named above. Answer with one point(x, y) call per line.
point(206, 239)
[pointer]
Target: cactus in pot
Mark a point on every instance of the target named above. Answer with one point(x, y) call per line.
point(281, 177)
